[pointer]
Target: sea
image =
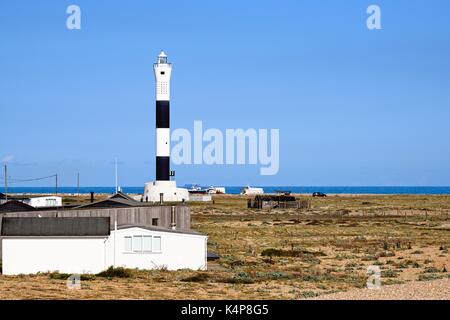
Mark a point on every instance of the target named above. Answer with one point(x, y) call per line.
point(237, 189)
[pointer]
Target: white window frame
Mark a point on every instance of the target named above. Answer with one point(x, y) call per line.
point(153, 244)
point(136, 237)
point(142, 236)
point(50, 202)
point(125, 244)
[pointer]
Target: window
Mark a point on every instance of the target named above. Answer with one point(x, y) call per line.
point(137, 243)
point(154, 221)
point(147, 243)
point(128, 244)
point(162, 72)
point(140, 244)
point(50, 202)
point(157, 244)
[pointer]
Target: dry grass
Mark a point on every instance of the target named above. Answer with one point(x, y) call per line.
point(310, 253)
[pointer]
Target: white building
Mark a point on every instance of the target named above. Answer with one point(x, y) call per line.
point(150, 248)
point(34, 201)
point(252, 191)
point(45, 201)
point(87, 245)
point(215, 190)
point(200, 197)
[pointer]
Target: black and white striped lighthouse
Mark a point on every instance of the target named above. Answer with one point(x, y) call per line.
point(163, 188)
point(162, 70)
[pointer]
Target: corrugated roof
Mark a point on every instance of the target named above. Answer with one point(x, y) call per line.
point(160, 229)
point(52, 227)
point(121, 195)
point(15, 206)
point(111, 203)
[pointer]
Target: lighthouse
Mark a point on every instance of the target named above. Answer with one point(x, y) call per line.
point(162, 70)
point(163, 188)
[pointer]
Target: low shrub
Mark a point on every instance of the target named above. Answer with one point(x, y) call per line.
point(431, 270)
point(87, 277)
point(308, 294)
point(304, 255)
point(430, 276)
point(351, 265)
point(316, 277)
point(413, 264)
point(240, 278)
point(385, 254)
point(118, 272)
point(274, 275)
point(344, 256)
point(199, 277)
point(58, 276)
point(271, 252)
point(65, 276)
point(369, 258)
point(389, 274)
point(407, 264)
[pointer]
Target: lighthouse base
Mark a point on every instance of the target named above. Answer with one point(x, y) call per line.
point(168, 189)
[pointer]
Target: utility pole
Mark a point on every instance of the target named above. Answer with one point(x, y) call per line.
point(6, 182)
point(56, 183)
point(78, 184)
point(116, 174)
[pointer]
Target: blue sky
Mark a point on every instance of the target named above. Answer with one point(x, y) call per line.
point(354, 106)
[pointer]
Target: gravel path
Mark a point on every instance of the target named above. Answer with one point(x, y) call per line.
point(416, 290)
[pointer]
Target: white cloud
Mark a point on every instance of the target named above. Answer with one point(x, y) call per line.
point(8, 158)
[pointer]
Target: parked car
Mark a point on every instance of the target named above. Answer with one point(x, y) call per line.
point(319, 194)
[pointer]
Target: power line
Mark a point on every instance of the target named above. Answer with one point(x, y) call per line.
point(27, 180)
point(15, 180)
